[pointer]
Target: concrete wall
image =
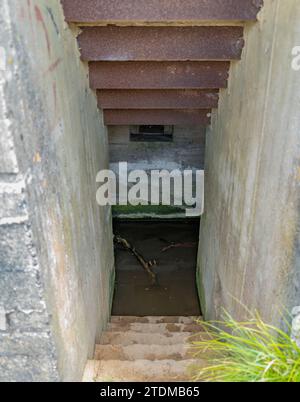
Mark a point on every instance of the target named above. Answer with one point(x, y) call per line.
point(56, 254)
point(249, 230)
point(186, 151)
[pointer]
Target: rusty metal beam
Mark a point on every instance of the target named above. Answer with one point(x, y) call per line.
point(157, 99)
point(159, 11)
point(161, 43)
point(156, 117)
point(158, 75)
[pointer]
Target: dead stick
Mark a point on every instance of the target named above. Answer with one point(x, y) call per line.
point(145, 264)
point(179, 245)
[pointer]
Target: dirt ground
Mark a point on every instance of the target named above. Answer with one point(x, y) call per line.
point(176, 292)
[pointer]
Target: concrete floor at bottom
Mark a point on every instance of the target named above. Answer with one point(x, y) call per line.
point(176, 292)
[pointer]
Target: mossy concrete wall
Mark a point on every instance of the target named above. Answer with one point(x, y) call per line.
point(56, 253)
point(248, 242)
point(184, 152)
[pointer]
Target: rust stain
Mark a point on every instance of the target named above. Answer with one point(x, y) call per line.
point(37, 158)
point(52, 67)
point(39, 18)
point(157, 75)
point(113, 43)
point(165, 11)
point(156, 116)
point(157, 99)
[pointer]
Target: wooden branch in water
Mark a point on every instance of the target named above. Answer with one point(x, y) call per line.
point(147, 265)
point(179, 245)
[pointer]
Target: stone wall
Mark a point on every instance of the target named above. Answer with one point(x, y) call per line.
point(249, 231)
point(56, 254)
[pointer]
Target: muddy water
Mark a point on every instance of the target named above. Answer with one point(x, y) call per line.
point(176, 292)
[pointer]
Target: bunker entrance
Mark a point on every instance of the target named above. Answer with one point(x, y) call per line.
point(170, 250)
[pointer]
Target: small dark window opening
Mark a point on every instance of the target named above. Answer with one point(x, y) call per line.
point(151, 133)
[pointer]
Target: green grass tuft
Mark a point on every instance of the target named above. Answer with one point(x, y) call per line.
point(250, 351)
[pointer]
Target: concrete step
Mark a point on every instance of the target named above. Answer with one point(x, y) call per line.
point(154, 328)
point(150, 352)
point(133, 338)
point(138, 371)
point(114, 43)
point(154, 320)
point(159, 75)
point(136, 12)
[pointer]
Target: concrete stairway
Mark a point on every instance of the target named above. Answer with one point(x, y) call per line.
point(145, 349)
point(159, 62)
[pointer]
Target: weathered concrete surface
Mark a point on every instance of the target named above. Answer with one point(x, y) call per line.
point(56, 256)
point(249, 231)
point(161, 354)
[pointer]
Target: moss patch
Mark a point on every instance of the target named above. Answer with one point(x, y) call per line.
point(141, 211)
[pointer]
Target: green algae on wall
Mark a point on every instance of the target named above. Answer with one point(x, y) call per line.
point(149, 212)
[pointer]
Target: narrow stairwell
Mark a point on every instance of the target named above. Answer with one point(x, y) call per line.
point(159, 62)
point(145, 349)
point(156, 62)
